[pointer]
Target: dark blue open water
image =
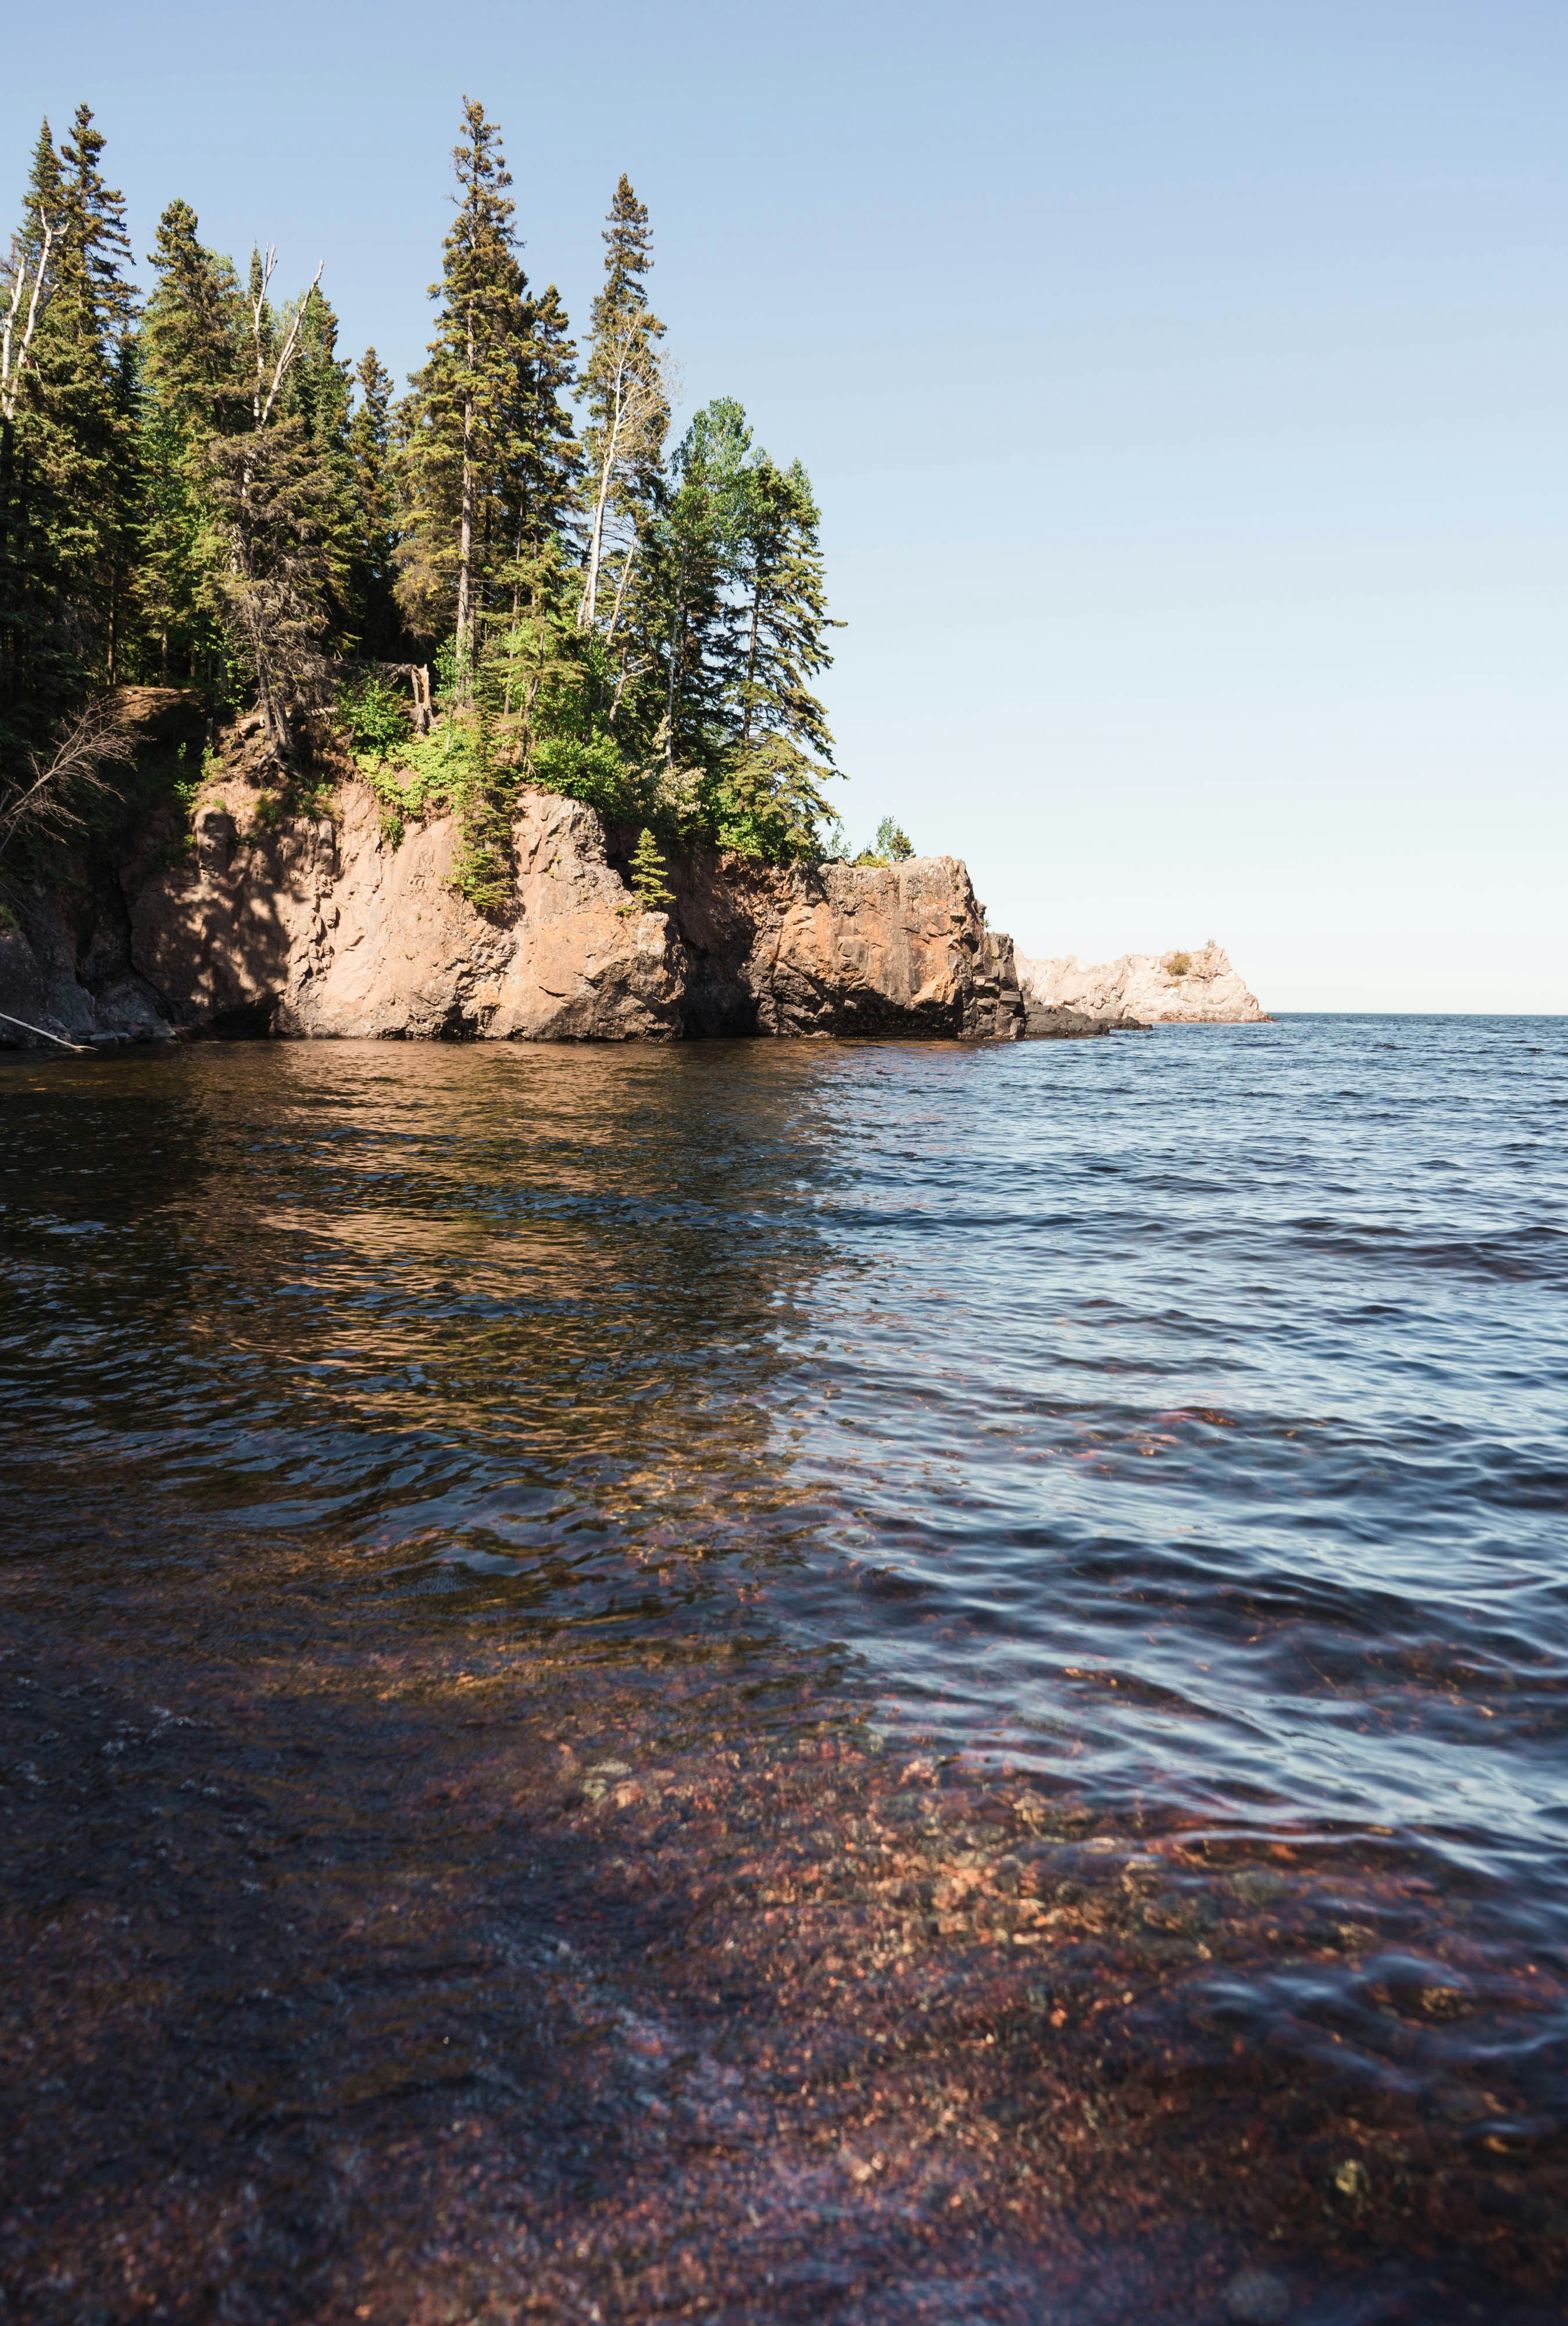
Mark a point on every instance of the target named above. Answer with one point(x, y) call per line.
point(1166, 1433)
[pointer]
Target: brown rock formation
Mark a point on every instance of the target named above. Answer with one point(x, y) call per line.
point(320, 926)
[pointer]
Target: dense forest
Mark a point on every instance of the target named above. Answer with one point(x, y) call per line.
point(507, 574)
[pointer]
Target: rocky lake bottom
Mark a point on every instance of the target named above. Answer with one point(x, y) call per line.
point(768, 1680)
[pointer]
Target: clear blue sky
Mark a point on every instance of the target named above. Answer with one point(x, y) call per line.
point(1184, 386)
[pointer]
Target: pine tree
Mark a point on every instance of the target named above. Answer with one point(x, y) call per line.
point(696, 543)
point(275, 497)
point(785, 612)
point(373, 572)
point(768, 798)
point(317, 392)
point(628, 417)
point(541, 475)
point(464, 431)
point(191, 394)
point(69, 478)
point(649, 881)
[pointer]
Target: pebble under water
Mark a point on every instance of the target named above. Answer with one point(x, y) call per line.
point(767, 1681)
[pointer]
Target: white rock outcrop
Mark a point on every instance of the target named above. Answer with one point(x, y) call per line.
point(1193, 989)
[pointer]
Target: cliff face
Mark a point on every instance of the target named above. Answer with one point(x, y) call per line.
point(1143, 988)
point(321, 926)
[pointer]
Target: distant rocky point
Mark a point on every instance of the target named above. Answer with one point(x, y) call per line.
point(1141, 989)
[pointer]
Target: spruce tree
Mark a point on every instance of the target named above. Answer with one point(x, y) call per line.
point(541, 473)
point(649, 881)
point(628, 417)
point(373, 570)
point(485, 795)
point(317, 393)
point(277, 498)
point(191, 394)
point(69, 472)
point(91, 324)
point(768, 798)
point(464, 428)
point(785, 612)
point(33, 658)
point(696, 543)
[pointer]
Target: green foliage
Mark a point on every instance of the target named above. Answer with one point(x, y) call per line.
point(417, 782)
point(628, 418)
point(372, 575)
point(421, 778)
point(486, 798)
point(585, 767)
point(187, 791)
point(650, 888)
point(484, 457)
point(893, 842)
point(375, 711)
point(302, 794)
point(69, 480)
point(785, 611)
point(190, 355)
point(767, 801)
point(206, 494)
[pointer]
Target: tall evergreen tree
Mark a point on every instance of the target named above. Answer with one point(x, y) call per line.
point(373, 570)
point(785, 611)
point(69, 476)
point(768, 798)
point(275, 496)
point(191, 393)
point(463, 428)
point(319, 392)
point(91, 325)
point(695, 548)
point(28, 569)
point(629, 414)
point(542, 472)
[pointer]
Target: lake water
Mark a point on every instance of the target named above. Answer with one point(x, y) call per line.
point(767, 1681)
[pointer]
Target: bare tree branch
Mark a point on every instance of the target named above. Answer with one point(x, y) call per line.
point(286, 358)
point(95, 741)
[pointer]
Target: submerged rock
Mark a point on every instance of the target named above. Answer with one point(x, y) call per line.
point(1255, 2297)
point(1047, 1025)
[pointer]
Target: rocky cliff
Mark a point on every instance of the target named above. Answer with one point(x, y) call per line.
point(326, 924)
point(1142, 989)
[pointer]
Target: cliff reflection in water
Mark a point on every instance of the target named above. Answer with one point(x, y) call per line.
point(782, 1681)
